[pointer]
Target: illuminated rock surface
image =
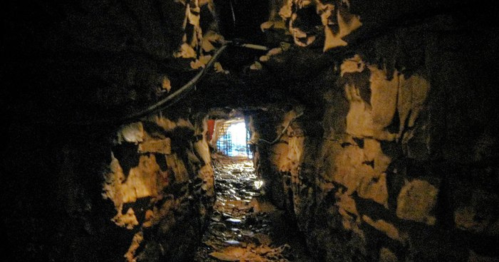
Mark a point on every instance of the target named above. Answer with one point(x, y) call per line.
point(243, 226)
point(374, 125)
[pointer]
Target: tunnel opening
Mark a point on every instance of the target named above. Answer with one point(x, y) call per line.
point(393, 157)
point(232, 138)
point(244, 225)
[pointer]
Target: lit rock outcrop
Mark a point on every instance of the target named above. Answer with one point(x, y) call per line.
point(160, 168)
point(306, 20)
point(373, 175)
point(394, 158)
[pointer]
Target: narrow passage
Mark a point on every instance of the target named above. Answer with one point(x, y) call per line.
point(244, 226)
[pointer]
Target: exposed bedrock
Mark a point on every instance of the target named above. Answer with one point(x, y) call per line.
point(374, 125)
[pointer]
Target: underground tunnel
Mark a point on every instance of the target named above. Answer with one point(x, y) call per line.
point(265, 130)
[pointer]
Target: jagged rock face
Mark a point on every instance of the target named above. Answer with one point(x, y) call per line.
point(173, 173)
point(139, 192)
point(104, 59)
point(394, 158)
point(110, 194)
point(308, 21)
point(371, 178)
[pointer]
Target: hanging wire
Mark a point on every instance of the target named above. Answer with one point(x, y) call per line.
point(174, 97)
point(169, 100)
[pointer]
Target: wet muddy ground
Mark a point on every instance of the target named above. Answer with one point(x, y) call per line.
point(244, 226)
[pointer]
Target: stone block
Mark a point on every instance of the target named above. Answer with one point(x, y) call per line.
point(162, 146)
point(375, 189)
point(359, 118)
point(416, 201)
point(384, 90)
point(142, 180)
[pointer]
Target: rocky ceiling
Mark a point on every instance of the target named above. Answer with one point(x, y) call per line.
point(112, 58)
point(398, 98)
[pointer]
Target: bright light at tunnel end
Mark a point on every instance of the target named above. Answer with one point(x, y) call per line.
point(258, 184)
point(238, 138)
point(238, 133)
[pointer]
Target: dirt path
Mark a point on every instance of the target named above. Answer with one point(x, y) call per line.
point(243, 226)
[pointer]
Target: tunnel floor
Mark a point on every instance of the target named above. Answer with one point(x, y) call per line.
point(244, 226)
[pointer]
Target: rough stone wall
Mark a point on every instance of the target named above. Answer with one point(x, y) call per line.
point(161, 183)
point(394, 159)
point(117, 56)
point(139, 192)
point(81, 188)
point(401, 164)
